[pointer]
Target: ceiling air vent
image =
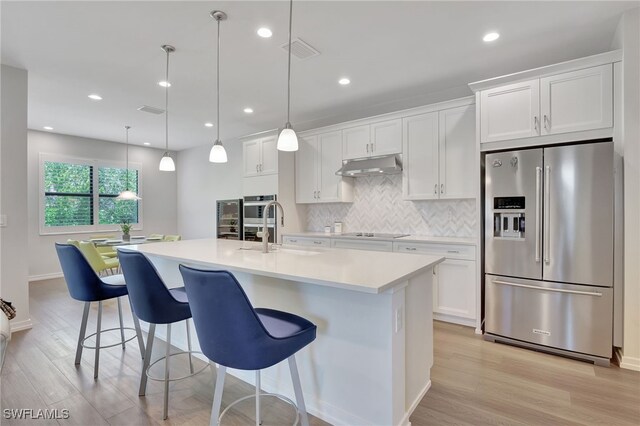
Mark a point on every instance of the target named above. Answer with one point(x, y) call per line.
point(151, 110)
point(300, 49)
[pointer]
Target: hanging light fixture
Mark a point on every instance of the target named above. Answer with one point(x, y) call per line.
point(218, 154)
point(127, 194)
point(287, 140)
point(166, 163)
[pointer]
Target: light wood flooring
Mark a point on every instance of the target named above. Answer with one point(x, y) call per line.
point(474, 382)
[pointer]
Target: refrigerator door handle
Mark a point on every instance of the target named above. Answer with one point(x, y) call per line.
point(547, 200)
point(538, 211)
point(557, 290)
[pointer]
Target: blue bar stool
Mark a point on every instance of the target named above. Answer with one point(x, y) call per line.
point(154, 303)
point(85, 285)
point(235, 335)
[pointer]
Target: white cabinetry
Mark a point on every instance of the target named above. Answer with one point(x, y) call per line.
point(317, 160)
point(439, 154)
point(260, 157)
point(375, 245)
point(455, 288)
point(567, 102)
point(381, 138)
point(307, 241)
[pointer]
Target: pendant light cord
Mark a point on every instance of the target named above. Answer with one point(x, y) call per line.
point(289, 65)
point(166, 107)
point(218, 86)
point(127, 156)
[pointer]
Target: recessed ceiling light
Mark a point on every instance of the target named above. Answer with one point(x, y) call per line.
point(264, 32)
point(491, 37)
point(344, 81)
point(146, 143)
point(95, 97)
point(164, 84)
point(208, 124)
point(48, 128)
point(248, 110)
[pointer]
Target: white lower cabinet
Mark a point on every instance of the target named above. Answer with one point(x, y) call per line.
point(307, 241)
point(374, 245)
point(455, 288)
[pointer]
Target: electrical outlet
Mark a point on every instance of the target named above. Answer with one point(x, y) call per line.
point(3, 220)
point(399, 320)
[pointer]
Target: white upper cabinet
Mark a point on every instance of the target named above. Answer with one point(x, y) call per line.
point(577, 101)
point(386, 137)
point(420, 157)
point(439, 155)
point(375, 139)
point(573, 101)
point(457, 148)
point(510, 112)
point(317, 160)
point(260, 156)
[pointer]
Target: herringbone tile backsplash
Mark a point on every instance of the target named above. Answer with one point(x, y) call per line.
point(378, 207)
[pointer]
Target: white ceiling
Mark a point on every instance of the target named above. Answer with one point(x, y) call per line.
point(397, 55)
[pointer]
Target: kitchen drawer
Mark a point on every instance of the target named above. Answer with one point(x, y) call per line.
point(306, 241)
point(375, 245)
point(450, 251)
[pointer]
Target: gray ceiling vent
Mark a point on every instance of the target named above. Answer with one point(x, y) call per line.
point(151, 110)
point(300, 49)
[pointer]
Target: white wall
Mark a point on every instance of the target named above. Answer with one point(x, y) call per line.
point(14, 285)
point(628, 38)
point(158, 191)
point(201, 183)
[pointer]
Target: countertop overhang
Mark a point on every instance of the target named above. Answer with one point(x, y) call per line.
point(356, 270)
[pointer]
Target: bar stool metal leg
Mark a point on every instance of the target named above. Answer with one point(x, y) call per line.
point(166, 374)
point(121, 322)
point(189, 346)
point(136, 325)
point(258, 418)
point(98, 328)
point(297, 388)
point(147, 360)
point(217, 395)
point(83, 331)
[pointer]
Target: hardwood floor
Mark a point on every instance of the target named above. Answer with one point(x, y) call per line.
point(474, 382)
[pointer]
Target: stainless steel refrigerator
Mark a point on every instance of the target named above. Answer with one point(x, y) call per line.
point(549, 249)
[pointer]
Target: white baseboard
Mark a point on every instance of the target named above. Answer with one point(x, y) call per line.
point(43, 277)
point(405, 420)
point(21, 325)
point(630, 363)
point(454, 319)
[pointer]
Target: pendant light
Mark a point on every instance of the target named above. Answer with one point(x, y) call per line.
point(127, 194)
point(287, 140)
point(166, 163)
point(218, 154)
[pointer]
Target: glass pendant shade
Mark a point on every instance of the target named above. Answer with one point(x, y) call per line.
point(287, 140)
point(218, 154)
point(167, 164)
point(128, 195)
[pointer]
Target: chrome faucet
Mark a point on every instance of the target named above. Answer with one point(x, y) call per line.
point(265, 229)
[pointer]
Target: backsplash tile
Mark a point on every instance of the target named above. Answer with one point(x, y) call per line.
point(378, 207)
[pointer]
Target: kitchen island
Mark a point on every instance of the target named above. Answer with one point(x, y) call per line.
point(371, 361)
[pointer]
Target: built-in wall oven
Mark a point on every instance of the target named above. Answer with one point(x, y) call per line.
point(254, 212)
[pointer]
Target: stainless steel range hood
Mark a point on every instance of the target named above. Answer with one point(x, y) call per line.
point(387, 165)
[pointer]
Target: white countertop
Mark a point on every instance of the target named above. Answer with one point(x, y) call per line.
point(407, 239)
point(363, 271)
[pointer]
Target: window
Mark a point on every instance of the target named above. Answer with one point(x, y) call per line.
point(80, 195)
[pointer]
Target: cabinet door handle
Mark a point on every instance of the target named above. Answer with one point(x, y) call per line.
point(410, 248)
point(535, 123)
point(547, 123)
point(260, 166)
point(293, 241)
point(435, 189)
point(442, 188)
point(314, 194)
point(453, 251)
point(318, 194)
point(367, 148)
point(372, 147)
point(256, 168)
point(317, 242)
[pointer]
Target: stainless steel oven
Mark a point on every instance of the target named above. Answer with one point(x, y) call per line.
point(254, 212)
